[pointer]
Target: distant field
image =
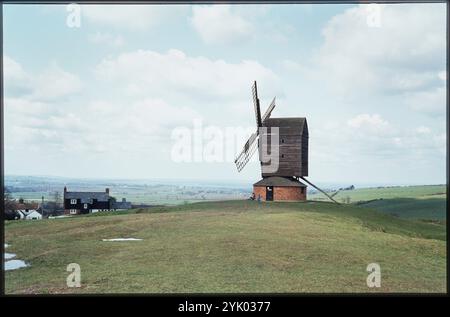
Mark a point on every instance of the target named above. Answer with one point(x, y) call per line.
point(415, 202)
point(231, 246)
point(154, 196)
point(364, 194)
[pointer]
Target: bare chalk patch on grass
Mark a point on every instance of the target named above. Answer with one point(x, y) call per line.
point(14, 265)
point(9, 256)
point(122, 239)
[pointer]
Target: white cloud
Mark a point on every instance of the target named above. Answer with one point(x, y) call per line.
point(106, 38)
point(13, 71)
point(135, 119)
point(94, 127)
point(369, 122)
point(51, 84)
point(144, 118)
point(174, 73)
point(423, 130)
point(372, 147)
point(133, 17)
point(16, 80)
point(23, 107)
point(430, 101)
point(403, 55)
point(220, 24)
point(293, 66)
point(55, 83)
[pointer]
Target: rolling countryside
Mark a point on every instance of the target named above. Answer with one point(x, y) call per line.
point(241, 246)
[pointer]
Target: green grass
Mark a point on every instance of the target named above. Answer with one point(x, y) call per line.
point(230, 246)
point(433, 208)
point(427, 202)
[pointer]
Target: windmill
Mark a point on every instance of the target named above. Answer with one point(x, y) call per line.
point(285, 140)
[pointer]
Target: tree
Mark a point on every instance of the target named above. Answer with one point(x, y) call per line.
point(56, 197)
point(8, 201)
point(112, 202)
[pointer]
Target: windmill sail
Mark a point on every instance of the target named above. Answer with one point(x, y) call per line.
point(251, 145)
point(247, 152)
point(256, 105)
point(269, 110)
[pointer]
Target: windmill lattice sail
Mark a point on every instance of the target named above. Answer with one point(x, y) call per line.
point(269, 110)
point(252, 143)
point(247, 152)
point(256, 105)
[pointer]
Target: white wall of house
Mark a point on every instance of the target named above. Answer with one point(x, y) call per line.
point(31, 214)
point(34, 216)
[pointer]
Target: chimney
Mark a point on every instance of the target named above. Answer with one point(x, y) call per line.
point(107, 191)
point(65, 189)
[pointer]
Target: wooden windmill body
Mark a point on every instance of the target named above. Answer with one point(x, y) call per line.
point(281, 183)
point(292, 153)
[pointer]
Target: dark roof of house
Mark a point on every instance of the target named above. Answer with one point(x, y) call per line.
point(280, 182)
point(86, 196)
point(26, 206)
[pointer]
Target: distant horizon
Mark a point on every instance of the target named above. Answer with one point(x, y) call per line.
point(189, 181)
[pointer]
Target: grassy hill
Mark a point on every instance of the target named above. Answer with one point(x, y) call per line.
point(413, 202)
point(230, 246)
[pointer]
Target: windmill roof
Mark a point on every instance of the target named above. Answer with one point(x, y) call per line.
point(279, 181)
point(298, 121)
point(297, 125)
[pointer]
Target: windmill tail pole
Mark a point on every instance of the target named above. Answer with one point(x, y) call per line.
point(319, 189)
point(335, 193)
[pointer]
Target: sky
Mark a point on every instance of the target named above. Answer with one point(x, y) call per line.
point(120, 94)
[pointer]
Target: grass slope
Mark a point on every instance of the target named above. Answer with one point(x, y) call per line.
point(433, 209)
point(232, 246)
point(427, 202)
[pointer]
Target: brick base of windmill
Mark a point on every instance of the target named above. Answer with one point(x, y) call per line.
point(279, 189)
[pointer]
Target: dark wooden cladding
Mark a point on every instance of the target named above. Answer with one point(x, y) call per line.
point(283, 139)
point(287, 130)
point(293, 146)
point(285, 168)
point(304, 154)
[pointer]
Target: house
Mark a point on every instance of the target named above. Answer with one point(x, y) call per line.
point(87, 202)
point(28, 211)
point(29, 214)
point(23, 211)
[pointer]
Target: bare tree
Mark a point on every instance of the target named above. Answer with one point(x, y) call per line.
point(56, 196)
point(8, 201)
